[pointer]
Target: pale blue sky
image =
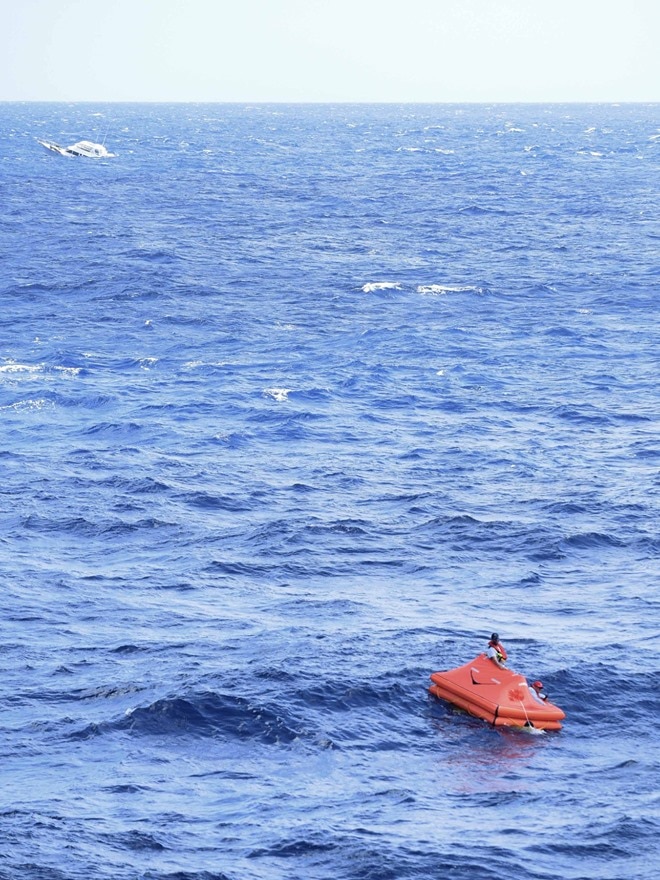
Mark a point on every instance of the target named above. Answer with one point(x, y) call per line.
point(330, 50)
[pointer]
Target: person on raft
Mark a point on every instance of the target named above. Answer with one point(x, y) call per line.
point(536, 691)
point(496, 650)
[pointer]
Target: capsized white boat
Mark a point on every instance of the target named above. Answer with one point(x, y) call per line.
point(81, 148)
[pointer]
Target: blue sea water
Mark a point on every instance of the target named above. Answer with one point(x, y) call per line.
point(298, 404)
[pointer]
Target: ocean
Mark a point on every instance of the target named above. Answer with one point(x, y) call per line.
point(299, 403)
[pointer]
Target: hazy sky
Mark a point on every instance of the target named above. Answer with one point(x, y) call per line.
point(330, 50)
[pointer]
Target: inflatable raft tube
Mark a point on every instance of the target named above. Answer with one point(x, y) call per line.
point(496, 694)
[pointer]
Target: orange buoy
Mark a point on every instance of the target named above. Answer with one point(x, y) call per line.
point(496, 694)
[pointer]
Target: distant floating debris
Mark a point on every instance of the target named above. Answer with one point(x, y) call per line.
point(81, 148)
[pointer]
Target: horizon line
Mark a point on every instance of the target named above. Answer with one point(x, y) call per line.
point(499, 102)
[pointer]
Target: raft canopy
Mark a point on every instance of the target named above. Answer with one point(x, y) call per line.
point(495, 694)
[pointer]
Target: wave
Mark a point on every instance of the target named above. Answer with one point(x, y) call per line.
point(114, 429)
point(475, 210)
point(181, 875)
point(592, 541)
point(620, 696)
point(201, 715)
point(79, 525)
point(134, 485)
point(464, 533)
point(207, 501)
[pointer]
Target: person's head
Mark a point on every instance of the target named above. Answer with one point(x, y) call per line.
point(538, 685)
point(494, 639)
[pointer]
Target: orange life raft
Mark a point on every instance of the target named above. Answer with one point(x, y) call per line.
point(496, 694)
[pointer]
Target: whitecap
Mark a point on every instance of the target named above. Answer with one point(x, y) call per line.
point(380, 285)
point(32, 370)
point(193, 365)
point(27, 405)
point(278, 394)
point(532, 731)
point(12, 367)
point(441, 289)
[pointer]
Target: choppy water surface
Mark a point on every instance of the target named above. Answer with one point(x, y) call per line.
point(298, 404)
